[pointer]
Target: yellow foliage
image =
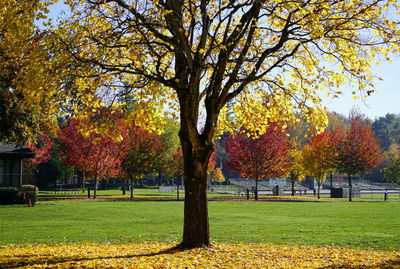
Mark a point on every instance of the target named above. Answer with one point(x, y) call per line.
point(160, 255)
point(218, 175)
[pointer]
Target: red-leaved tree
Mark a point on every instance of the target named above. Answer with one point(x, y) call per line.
point(358, 149)
point(42, 149)
point(264, 157)
point(98, 157)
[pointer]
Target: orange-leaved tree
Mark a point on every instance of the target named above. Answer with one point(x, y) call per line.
point(263, 157)
point(319, 156)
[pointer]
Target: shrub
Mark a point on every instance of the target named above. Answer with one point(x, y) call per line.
point(9, 196)
point(29, 192)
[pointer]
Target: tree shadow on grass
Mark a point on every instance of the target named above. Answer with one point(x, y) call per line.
point(37, 260)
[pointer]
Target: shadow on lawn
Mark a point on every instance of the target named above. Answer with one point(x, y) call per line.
point(37, 260)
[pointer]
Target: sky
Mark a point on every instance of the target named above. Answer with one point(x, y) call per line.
point(385, 99)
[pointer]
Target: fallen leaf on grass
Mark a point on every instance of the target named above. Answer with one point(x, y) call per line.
point(160, 255)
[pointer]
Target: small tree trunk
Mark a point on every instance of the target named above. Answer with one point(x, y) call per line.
point(124, 187)
point(293, 193)
point(319, 189)
point(177, 189)
point(132, 186)
point(350, 189)
point(81, 180)
point(331, 178)
point(96, 185)
point(256, 191)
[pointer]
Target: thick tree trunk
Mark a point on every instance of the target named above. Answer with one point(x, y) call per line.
point(96, 185)
point(350, 189)
point(319, 189)
point(195, 227)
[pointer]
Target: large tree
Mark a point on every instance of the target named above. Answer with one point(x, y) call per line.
point(358, 149)
point(263, 157)
point(21, 49)
point(270, 57)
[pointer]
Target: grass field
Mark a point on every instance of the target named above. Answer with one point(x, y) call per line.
point(363, 225)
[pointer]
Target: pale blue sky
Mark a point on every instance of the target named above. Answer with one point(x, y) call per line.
point(385, 99)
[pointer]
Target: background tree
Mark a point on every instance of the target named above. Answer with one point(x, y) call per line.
point(358, 149)
point(263, 157)
point(145, 154)
point(200, 54)
point(218, 176)
point(175, 169)
point(392, 172)
point(296, 170)
point(387, 130)
point(98, 157)
point(318, 157)
point(42, 149)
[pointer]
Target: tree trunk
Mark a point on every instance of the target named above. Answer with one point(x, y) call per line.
point(124, 187)
point(331, 178)
point(319, 189)
point(256, 191)
point(177, 188)
point(350, 189)
point(81, 180)
point(293, 193)
point(293, 181)
point(132, 187)
point(196, 228)
point(96, 185)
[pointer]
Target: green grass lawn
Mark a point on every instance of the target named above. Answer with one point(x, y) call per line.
point(367, 225)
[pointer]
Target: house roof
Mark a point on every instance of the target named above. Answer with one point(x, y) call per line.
point(12, 151)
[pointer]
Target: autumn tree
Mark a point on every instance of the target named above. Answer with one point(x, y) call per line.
point(218, 176)
point(319, 156)
point(99, 157)
point(263, 157)
point(296, 170)
point(22, 51)
point(358, 149)
point(196, 56)
point(144, 154)
point(391, 173)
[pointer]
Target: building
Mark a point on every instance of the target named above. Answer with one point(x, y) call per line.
point(11, 165)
